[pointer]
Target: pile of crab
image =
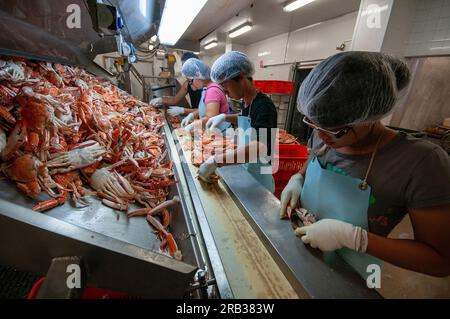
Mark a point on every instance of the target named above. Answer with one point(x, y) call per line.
point(68, 134)
point(204, 145)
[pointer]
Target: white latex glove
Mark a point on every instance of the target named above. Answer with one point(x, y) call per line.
point(207, 169)
point(175, 110)
point(189, 128)
point(332, 234)
point(215, 121)
point(291, 194)
point(187, 120)
point(158, 102)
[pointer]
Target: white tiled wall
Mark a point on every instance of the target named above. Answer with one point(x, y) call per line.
point(269, 52)
point(431, 29)
point(273, 57)
point(320, 42)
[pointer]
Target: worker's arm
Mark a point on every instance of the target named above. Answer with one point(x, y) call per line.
point(212, 109)
point(232, 118)
point(428, 253)
point(188, 111)
point(243, 154)
point(175, 100)
point(216, 120)
point(290, 196)
point(302, 171)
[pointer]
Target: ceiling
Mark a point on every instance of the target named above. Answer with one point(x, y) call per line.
point(218, 17)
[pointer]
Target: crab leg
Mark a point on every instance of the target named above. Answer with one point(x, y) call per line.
point(142, 212)
point(113, 202)
point(139, 212)
point(172, 245)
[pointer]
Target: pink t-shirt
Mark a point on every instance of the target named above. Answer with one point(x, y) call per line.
point(214, 93)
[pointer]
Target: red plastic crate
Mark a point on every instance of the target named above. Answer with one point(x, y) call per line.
point(274, 87)
point(290, 159)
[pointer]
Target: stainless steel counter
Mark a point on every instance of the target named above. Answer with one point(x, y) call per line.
point(120, 253)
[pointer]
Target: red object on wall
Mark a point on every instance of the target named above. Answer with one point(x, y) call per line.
point(274, 87)
point(290, 160)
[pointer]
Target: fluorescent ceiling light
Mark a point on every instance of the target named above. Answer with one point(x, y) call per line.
point(294, 5)
point(176, 18)
point(240, 30)
point(197, 53)
point(211, 45)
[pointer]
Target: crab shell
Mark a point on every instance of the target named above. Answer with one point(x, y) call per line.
point(24, 169)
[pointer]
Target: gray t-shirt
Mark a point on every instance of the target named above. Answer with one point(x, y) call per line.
point(407, 173)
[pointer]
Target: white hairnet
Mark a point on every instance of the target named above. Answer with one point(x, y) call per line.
point(230, 65)
point(352, 88)
point(196, 69)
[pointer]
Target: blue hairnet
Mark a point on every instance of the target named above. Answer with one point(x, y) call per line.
point(196, 69)
point(352, 88)
point(230, 65)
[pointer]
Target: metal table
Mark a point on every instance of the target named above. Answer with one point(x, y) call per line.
point(120, 253)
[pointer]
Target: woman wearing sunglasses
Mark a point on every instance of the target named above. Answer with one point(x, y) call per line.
point(213, 100)
point(362, 178)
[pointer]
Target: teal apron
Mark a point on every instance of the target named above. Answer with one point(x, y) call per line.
point(202, 112)
point(244, 123)
point(334, 196)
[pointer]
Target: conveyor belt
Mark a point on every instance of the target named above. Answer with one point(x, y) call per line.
point(260, 254)
point(250, 269)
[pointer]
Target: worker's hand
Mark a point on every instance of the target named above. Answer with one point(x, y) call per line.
point(187, 120)
point(207, 169)
point(291, 194)
point(175, 111)
point(332, 234)
point(158, 102)
point(190, 128)
point(215, 121)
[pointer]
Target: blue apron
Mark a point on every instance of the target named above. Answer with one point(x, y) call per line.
point(244, 123)
point(334, 196)
point(202, 112)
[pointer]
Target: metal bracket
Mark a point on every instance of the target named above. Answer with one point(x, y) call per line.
point(201, 285)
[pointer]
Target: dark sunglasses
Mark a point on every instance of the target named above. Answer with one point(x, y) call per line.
point(337, 134)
